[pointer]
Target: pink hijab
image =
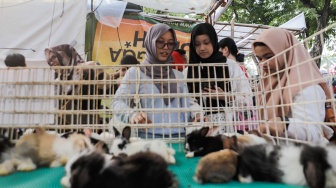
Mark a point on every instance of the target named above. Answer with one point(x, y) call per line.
point(281, 87)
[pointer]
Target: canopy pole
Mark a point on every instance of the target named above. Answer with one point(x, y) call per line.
point(232, 26)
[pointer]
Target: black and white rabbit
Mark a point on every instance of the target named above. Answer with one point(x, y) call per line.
point(310, 165)
point(98, 148)
point(122, 144)
point(197, 143)
point(5, 147)
point(6, 152)
point(143, 169)
point(221, 166)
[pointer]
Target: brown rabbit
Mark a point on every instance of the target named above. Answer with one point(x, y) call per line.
point(43, 149)
point(217, 167)
point(238, 143)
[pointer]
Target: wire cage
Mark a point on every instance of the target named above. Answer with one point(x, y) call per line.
point(39, 96)
point(172, 103)
point(73, 98)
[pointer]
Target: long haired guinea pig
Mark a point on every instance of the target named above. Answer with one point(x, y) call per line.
point(217, 167)
point(303, 165)
point(43, 149)
point(122, 144)
point(143, 169)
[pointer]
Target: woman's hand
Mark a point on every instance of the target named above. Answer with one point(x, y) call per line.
point(198, 118)
point(141, 118)
point(215, 93)
point(275, 126)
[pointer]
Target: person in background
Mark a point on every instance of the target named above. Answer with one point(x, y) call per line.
point(71, 67)
point(180, 57)
point(15, 60)
point(292, 91)
point(229, 49)
point(229, 87)
point(126, 62)
point(162, 102)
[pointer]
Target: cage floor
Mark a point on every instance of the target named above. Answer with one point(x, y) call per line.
point(184, 169)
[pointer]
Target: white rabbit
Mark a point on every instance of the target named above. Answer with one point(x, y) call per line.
point(122, 144)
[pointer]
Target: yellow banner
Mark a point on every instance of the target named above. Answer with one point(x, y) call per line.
point(111, 44)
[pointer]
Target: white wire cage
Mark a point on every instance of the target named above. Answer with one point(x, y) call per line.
point(73, 98)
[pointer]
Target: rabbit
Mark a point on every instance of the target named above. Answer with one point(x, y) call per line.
point(43, 149)
point(94, 139)
point(217, 167)
point(197, 143)
point(238, 143)
point(6, 152)
point(6, 146)
point(122, 144)
point(304, 164)
point(267, 137)
point(98, 147)
point(95, 169)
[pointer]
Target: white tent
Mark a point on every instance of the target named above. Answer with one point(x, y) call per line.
point(297, 22)
point(180, 6)
point(244, 34)
point(31, 26)
point(28, 27)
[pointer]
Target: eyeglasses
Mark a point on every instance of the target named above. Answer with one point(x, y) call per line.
point(161, 44)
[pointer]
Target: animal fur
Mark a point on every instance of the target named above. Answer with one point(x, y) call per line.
point(217, 167)
point(43, 149)
point(122, 144)
point(238, 143)
point(143, 169)
point(311, 165)
point(197, 143)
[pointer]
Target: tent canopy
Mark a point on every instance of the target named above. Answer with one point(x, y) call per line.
point(34, 29)
point(28, 27)
point(243, 34)
point(188, 6)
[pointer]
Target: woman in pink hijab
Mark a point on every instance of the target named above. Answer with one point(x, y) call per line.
point(292, 92)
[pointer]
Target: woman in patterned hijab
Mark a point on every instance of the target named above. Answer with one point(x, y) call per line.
point(66, 55)
point(63, 55)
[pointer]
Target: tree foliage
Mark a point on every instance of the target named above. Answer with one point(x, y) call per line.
point(318, 13)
